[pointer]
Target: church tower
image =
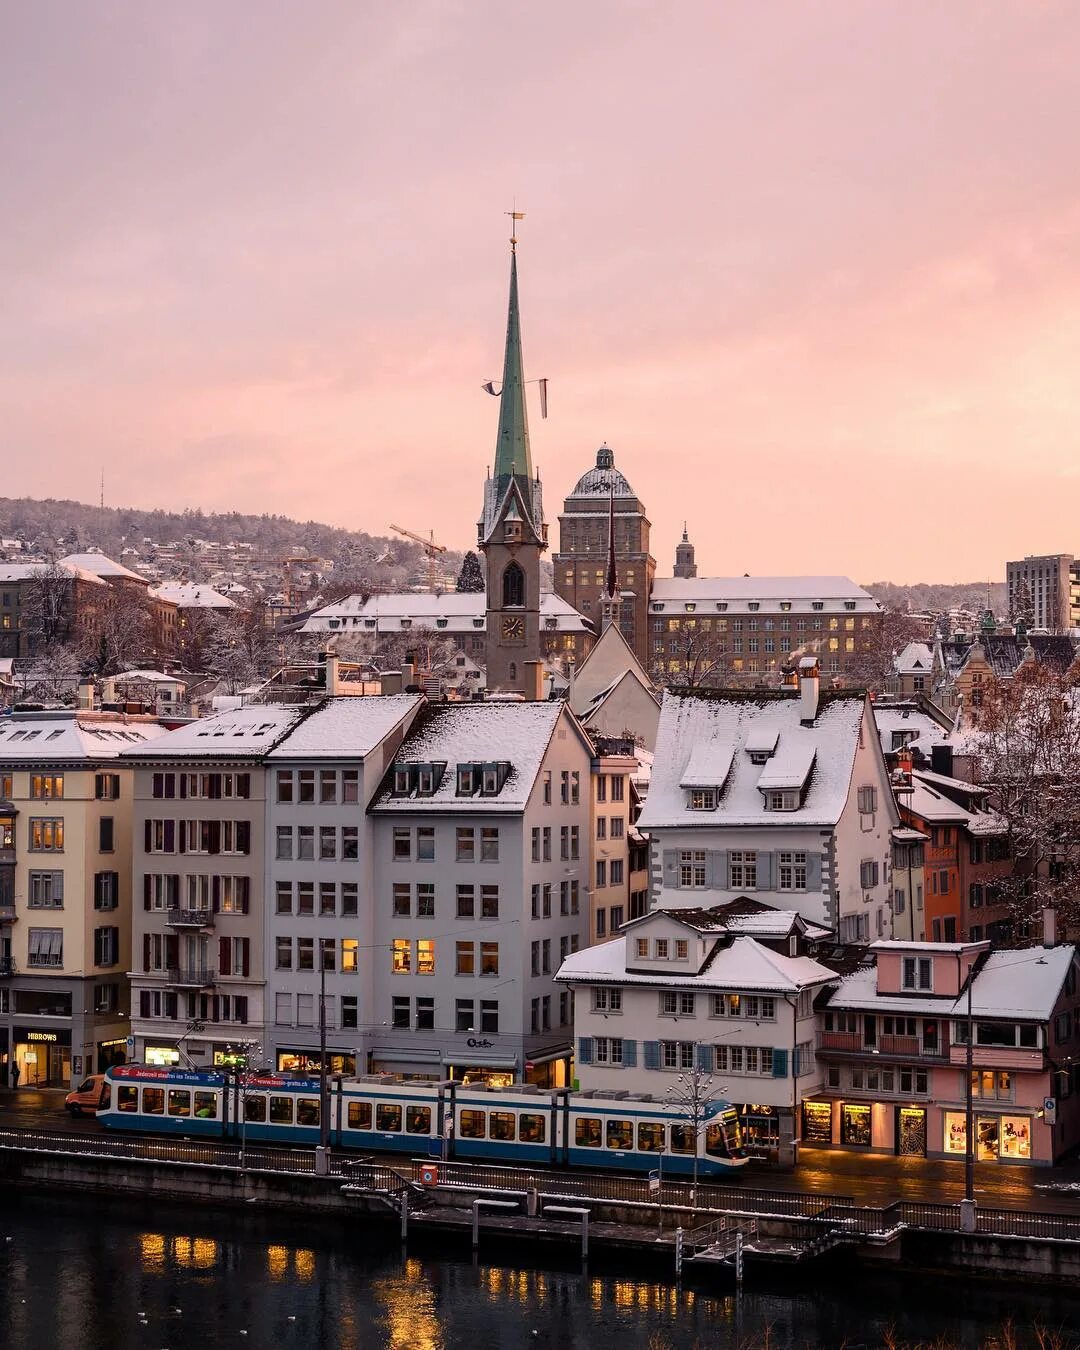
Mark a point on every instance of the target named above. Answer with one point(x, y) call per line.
point(685, 566)
point(511, 531)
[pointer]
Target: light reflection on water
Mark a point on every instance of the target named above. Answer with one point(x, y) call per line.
point(89, 1274)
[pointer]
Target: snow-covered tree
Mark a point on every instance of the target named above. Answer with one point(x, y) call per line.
point(471, 577)
point(122, 633)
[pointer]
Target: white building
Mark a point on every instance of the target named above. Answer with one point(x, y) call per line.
point(724, 989)
point(781, 795)
point(481, 849)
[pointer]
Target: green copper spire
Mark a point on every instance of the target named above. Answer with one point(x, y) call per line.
point(512, 458)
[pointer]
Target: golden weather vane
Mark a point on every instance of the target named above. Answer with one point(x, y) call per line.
point(515, 216)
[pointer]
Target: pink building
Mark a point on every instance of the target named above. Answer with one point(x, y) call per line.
point(893, 1041)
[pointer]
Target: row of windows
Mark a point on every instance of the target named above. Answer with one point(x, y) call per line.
point(610, 873)
point(45, 948)
point(467, 846)
point(907, 1080)
point(328, 899)
point(615, 828)
point(745, 870)
point(165, 1005)
point(569, 898)
point(197, 836)
point(206, 786)
point(300, 1010)
point(752, 666)
point(465, 1018)
point(304, 843)
point(49, 787)
point(569, 843)
point(196, 891)
point(334, 954)
point(46, 890)
point(327, 786)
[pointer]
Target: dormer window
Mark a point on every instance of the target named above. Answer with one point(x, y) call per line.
point(478, 623)
point(690, 606)
point(657, 608)
point(784, 799)
point(641, 947)
point(703, 799)
point(849, 604)
point(785, 606)
point(406, 623)
point(467, 780)
point(441, 623)
point(817, 604)
point(491, 783)
point(682, 951)
point(370, 623)
point(425, 781)
point(402, 782)
point(660, 949)
point(753, 606)
point(721, 605)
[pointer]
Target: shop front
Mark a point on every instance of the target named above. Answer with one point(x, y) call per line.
point(817, 1126)
point(5, 1059)
point(306, 1061)
point(911, 1131)
point(111, 1053)
point(549, 1071)
point(998, 1138)
point(487, 1070)
point(43, 1056)
point(759, 1126)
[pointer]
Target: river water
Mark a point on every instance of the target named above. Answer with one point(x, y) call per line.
point(100, 1275)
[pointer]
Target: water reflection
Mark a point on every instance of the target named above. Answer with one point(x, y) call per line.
point(97, 1274)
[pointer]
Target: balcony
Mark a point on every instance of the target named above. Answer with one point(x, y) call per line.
point(190, 977)
point(886, 1047)
point(998, 1057)
point(8, 966)
point(189, 918)
point(8, 913)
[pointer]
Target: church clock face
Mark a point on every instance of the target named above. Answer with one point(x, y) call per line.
point(513, 628)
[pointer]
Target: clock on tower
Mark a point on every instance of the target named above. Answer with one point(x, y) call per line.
point(513, 628)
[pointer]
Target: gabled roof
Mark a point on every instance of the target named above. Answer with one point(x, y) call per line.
point(248, 732)
point(743, 963)
point(738, 593)
point(917, 658)
point(608, 658)
point(30, 571)
point(346, 727)
point(451, 612)
point(697, 722)
point(477, 733)
point(66, 736)
point(1004, 652)
point(191, 595)
point(100, 566)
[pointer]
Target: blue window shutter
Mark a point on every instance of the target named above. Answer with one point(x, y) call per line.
point(652, 1054)
point(779, 1063)
point(764, 871)
point(584, 1053)
point(705, 1058)
point(813, 871)
point(629, 1054)
point(717, 875)
point(796, 1062)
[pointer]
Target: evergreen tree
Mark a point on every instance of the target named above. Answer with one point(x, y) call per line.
point(470, 578)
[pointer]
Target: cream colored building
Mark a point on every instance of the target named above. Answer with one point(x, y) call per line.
point(65, 892)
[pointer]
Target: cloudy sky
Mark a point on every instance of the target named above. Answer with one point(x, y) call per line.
point(812, 269)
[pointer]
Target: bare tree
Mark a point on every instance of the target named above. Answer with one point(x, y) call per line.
point(1027, 751)
point(700, 655)
point(693, 1094)
point(50, 677)
point(878, 645)
point(241, 646)
point(121, 634)
point(48, 606)
point(426, 648)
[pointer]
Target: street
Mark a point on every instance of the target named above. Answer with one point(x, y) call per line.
point(870, 1179)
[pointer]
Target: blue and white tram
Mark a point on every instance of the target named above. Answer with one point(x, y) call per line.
point(379, 1114)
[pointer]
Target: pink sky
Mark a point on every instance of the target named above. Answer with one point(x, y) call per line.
point(812, 270)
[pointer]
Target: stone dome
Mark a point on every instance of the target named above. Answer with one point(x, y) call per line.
point(600, 481)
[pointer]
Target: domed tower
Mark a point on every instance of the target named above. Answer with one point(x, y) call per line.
point(603, 506)
point(685, 566)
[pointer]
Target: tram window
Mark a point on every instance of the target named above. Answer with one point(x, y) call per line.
point(473, 1124)
point(387, 1117)
point(127, 1098)
point(587, 1133)
point(650, 1137)
point(255, 1109)
point(532, 1129)
point(359, 1115)
point(682, 1138)
point(620, 1134)
point(281, 1110)
point(307, 1111)
point(502, 1125)
point(179, 1102)
point(206, 1105)
point(105, 1098)
point(716, 1142)
point(418, 1120)
point(153, 1101)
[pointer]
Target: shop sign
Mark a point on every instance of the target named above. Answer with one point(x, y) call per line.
point(35, 1036)
point(480, 1043)
point(112, 1045)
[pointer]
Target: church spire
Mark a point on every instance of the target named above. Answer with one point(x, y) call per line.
point(512, 458)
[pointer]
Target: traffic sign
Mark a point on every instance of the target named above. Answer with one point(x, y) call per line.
point(1050, 1110)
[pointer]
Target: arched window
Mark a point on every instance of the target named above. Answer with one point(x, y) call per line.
point(513, 670)
point(513, 586)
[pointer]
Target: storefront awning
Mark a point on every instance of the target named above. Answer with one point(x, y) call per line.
point(474, 1061)
point(405, 1056)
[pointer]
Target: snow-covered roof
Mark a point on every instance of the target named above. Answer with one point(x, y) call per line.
point(101, 566)
point(348, 726)
point(477, 733)
point(708, 766)
point(917, 658)
point(899, 726)
point(745, 963)
point(150, 676)
point(28, 571)
point(1022, 984)
point(67, 735)
point(452, 612)
point(929, 804)
point(789, 767)
point(737, 594)
point(692, 721)
point(248, 731)
point(191, 595)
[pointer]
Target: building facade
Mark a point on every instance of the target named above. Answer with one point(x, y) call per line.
point(1044, 591)
point(66, 806)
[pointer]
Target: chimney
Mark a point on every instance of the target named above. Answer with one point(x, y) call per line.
point(408, 674)
point(789, 679)
point(534, 681)
point(332, 675)
point(85, 698)
point(941, 760)
point(1049, 938)
point(108, 689)
point(390, 682)
point(809, 686)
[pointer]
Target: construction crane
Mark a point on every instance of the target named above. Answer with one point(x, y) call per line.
point(430, 547)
